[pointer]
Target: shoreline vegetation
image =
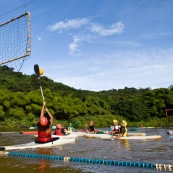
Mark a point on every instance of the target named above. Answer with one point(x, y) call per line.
point(21, 101)
point(80, 122)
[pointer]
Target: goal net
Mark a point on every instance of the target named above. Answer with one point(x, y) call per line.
point(15, 46)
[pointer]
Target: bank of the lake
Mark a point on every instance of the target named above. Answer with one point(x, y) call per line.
point(80, 122)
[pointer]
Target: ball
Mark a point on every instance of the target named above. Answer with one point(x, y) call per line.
point(41, 71)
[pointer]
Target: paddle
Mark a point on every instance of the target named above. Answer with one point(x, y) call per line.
point(100, 132)
point(37, 72)
point(75, 123)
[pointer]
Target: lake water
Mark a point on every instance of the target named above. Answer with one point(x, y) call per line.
point(149, 151)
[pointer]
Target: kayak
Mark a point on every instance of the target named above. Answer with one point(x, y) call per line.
point(108, 137)
point(77, 134)
point(69, 135)
point(74, 134)
point(31, 132)
point(55, 142)
point(142, 137)
point(130, 133)
point(82, 130)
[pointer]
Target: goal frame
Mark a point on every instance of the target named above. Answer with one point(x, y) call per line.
point(28, 50)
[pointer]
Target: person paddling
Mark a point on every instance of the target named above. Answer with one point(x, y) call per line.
point(45, 125)
point(91, 127)
point(86, 128)
point(71, 128)
point(60, 130)
point(114, 129)
point(123, 130)
point(141, 126)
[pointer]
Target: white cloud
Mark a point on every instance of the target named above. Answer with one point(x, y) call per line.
point(74, 45)
point(116, 28)
point(89, 32)
point(69, 24)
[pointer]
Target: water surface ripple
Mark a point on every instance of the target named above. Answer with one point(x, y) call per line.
point(149, 151)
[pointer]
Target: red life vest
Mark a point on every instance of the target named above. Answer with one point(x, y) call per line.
point(115, 130)
point(59, 132)
point(44, 137)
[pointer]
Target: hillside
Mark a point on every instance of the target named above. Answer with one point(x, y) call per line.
point(20, 100)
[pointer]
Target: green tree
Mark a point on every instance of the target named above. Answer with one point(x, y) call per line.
point(2, 113)
point(17, 113)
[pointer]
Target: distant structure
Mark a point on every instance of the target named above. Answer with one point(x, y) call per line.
point(169, 115)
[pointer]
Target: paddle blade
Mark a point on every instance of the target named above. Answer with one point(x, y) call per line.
point(74, 124)
point(36, 69)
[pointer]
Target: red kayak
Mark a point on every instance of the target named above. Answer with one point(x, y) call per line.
point(31, 132)
point(36, 132)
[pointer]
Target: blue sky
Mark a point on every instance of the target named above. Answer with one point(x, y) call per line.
point(100, 44)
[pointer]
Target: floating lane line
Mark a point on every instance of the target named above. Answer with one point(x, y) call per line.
point(159, 167)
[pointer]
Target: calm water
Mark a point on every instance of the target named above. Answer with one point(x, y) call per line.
point(150, 151)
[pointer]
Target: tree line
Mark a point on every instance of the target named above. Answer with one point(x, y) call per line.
point(21, 100)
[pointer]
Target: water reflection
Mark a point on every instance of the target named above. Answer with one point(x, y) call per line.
point(44, 164)
point(126, 144)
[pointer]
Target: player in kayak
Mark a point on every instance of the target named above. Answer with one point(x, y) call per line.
point(115, 128)
point(60, 130)
point(70, 128)
point(91, 127)
point(86, 128)
point(45, 125)
point(123, 130)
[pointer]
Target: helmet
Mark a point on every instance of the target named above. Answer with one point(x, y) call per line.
point(43, 121)
point(124, 123)
point(115, 121)
point(59, 126)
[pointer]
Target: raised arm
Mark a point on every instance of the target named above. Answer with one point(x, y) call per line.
point(42, 111)
point(50, 115)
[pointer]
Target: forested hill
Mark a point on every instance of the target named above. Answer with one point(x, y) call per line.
point(16, 81)
point(20, 99)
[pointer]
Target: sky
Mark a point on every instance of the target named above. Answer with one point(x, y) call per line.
point(99, 44)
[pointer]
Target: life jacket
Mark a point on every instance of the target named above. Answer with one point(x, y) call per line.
point(59, 132)
point(114, 129)
point(70, 129)
point(44, 137)
point(92, 129)
point(126, 132)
